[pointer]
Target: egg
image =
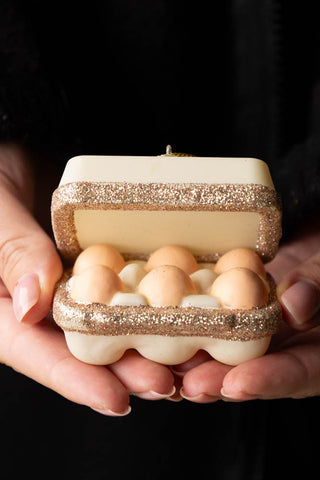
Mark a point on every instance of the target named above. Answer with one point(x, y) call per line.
point(240, 288)
point(240, 257)
point(166, 285)
point(99, 254)
point(128, 299)
point(131, 275)
point(173, 255)
point(205, 265)
point(96, 284)
point(203, 279)
point(138, 262)
point(201, 301)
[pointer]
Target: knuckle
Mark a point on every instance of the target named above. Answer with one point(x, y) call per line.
point(313, 269)
point(11, 252)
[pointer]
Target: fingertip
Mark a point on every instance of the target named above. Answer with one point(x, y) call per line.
point(205, 378)
point(33, 293)
point(263, 377)
point(181, 369)
point(201, 397)
point(111, 413)
point(241, 383)
point(141, 375)
point(301, 302)
point(26, 295)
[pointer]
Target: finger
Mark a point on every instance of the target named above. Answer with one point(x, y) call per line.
point(3, 290)
point(176, 397)
point(200, 357)
point(29, 263)
point(144, 378)
point(299, 293)
point(40, 352)
point(293, 372)
point(203, 383)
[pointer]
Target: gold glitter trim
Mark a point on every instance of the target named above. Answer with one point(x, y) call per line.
point(100, 319)
point(165, 196)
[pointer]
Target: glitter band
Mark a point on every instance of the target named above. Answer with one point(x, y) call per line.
point(100, 319)
point(165, 196)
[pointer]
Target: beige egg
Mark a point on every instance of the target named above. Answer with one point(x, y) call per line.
point(131, 275)
point(200, 301)
point(128, 299)
point(240, 288)
point(166, 285)
point(173, 255)
point(203, 279)
point(99, 254)
point(96, 284)
point(240, 257)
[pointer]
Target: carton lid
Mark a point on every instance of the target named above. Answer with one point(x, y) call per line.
point(138, 204)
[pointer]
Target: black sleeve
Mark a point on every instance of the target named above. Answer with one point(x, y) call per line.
point(31, 107)
point(298, 180)
point(297, 171)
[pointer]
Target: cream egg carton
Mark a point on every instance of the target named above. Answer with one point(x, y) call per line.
point(166, 256)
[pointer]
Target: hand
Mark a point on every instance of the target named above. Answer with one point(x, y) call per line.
point(291, 368)
point(30, 342)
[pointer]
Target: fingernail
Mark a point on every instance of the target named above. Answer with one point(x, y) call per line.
point(175, 398)
point(26, 294)
point(111, 413)
point(302, 301)
point(177, 372)
point(152, 395)
point(200, 397)
point(237, 396)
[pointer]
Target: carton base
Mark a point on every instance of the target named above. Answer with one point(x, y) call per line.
point(104, 349)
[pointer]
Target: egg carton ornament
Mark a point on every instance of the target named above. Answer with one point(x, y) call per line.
point(197, 213)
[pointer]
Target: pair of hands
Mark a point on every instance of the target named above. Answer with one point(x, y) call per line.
point(31, 343)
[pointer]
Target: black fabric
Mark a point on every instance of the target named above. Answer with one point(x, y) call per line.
point(119, 77)
point(45, 436)
point(236, 78)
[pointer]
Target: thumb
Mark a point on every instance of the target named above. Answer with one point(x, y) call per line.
point(29, 263)
point(299, 294)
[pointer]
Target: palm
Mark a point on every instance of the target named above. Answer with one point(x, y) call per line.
point(290, 369)
point(40, 352)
